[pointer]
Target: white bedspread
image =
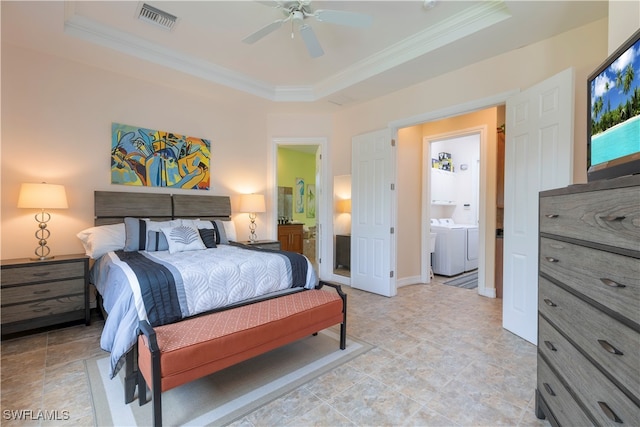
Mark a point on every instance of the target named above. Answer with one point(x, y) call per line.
point(207, 279)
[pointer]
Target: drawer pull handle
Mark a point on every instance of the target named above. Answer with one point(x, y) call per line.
point(612, 283)
point(612, 218)
point(550, 346)
point(609, 413)
point(611, 349)
point(44, 273)
point(42, 291)
point(550, 303)
point(549, 389)
point(551, 259)
point(552, 215)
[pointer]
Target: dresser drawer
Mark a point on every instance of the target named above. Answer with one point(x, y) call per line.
point(593, 330)
point(27, 293)
point(596, 274)
point(565, 409)
point(599, 395)
point(44, 308)
point(33, 273)
point(609, 217)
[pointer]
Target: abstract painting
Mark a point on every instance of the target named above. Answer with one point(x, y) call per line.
point(154, 158)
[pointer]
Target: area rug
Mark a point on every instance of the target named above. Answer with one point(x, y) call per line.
point(227, 395)
point(467, 281)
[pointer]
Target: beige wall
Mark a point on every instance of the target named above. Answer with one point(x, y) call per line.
point(56, 117)
point(626, 16)
point(409, 200)
point(583, 48)
point(56, 125)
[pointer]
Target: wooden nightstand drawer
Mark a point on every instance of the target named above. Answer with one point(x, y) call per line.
point(21, 294)
point(33, 273)
point(610, 279)
point(36, 294)
point(44, 308)
point(607, 217)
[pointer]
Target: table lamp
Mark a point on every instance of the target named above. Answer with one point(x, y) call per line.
point(42, 196)
point(252, 203)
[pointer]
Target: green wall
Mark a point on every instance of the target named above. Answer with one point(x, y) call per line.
point(294, 164)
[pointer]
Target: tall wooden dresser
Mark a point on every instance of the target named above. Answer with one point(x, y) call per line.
point(589, 304)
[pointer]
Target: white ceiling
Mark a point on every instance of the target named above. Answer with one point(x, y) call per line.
point(406, 43)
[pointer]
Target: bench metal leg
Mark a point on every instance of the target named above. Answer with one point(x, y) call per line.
point(142, 389)
point(156, 389)
point(131, 375)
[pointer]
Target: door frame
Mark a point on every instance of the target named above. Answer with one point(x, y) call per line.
point(457, 110)
point(481, 131)
point(324, 250)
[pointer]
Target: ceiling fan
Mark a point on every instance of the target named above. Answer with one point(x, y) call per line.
point(297, 12)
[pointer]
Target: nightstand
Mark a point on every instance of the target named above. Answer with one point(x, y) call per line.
point(262, 244)
point(36, 294)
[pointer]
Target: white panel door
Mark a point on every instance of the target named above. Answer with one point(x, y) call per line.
point(538, 156)
point(371, 213)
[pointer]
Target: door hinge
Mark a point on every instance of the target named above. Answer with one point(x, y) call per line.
point(393, 230)
point(391, 274)
point(393, 142)
point(393, 186)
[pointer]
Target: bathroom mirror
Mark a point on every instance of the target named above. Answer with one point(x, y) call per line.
point(285, 203)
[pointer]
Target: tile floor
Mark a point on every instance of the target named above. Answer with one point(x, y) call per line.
point(441, 358)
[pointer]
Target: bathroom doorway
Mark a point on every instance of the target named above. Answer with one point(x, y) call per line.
point(299, 165)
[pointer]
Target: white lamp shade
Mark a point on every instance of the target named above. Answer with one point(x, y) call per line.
point(42, 196)
point(252, 203)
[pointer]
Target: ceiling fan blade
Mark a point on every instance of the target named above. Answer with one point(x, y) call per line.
point(310, 39)
point(264, 31)
point(340, 17)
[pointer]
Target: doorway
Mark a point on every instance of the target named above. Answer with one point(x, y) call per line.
point(454, 172)
point(299, 165)
point(483, 117)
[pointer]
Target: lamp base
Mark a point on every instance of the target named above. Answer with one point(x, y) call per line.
point(42, 258)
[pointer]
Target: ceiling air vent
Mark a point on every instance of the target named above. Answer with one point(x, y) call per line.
point(157, 17)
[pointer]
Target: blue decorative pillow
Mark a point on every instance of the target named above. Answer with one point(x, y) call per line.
point(156, 241)
point(136, 231)
point(208, 237)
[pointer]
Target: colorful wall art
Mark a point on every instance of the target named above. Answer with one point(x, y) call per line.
point(311, 201)
point(154, 158)
point(299, 195)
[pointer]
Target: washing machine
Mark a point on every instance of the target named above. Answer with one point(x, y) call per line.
point(471, 248)
point(449, 254)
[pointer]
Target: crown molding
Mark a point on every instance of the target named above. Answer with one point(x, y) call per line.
point(480, 16)
point(477, 17)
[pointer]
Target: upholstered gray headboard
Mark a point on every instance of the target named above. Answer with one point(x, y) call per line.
point(111, 207)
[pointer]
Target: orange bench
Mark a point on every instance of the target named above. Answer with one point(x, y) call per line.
point(175, 354)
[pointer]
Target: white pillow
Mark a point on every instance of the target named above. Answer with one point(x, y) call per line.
point(197, 223)
point(228, 234)
point(183, 238)
point(99, 240)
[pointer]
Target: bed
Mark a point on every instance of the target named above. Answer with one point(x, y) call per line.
point(164, 258)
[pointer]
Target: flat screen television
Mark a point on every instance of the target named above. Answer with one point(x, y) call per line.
point(613, 126)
